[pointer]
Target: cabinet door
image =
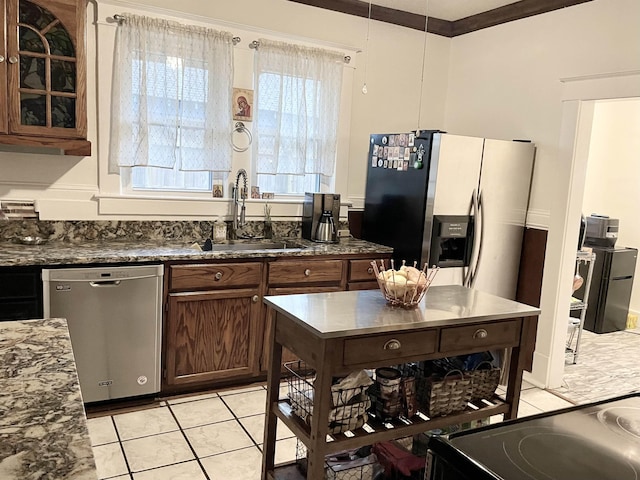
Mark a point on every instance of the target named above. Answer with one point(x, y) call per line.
point(46, 68)
point(212, 335)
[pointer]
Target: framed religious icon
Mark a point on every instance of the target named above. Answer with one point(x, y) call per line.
point(242, 104)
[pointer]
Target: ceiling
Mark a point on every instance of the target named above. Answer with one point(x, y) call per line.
point(448, 18)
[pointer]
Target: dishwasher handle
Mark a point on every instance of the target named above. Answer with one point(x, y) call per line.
point(105, 283)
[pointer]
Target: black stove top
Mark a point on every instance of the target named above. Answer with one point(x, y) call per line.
point(599, 441)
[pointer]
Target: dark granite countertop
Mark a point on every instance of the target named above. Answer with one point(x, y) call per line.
point(64, 253)
point(43, 430)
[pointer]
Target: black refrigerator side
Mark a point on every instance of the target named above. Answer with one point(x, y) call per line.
point(396, 193)
point(611, 285)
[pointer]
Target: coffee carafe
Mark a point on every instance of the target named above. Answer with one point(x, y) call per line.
point(326, 231)
point(320, 216)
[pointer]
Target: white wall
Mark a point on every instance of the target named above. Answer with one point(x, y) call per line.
point(505, 82)
point(80, 188)
point(612, 185)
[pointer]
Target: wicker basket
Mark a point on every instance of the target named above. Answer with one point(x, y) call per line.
point(442, 396)
point(484, 382)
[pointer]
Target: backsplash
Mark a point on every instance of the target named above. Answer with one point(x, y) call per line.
point(156, 231)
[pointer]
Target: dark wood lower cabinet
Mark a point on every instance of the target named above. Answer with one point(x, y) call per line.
point(216, 330)
point(212, 335)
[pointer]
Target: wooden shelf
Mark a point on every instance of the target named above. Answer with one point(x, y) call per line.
point(70, 146)
point(380, 432)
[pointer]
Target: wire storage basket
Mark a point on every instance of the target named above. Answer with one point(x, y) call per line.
point(406, 286)
point(349, 400)
point(355, 464)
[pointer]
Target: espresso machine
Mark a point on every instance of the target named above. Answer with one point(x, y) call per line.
point(320, 216)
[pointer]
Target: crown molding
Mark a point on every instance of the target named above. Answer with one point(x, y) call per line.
point(437, 26)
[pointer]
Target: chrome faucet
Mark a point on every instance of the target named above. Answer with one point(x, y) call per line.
point(239, 220)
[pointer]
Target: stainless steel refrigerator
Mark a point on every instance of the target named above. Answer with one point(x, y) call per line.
point(453, 201)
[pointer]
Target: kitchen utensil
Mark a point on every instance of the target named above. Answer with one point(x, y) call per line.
point(326, 228)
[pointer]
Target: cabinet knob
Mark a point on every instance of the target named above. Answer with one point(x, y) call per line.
point(307, 272)
point(392, 344)
point(370, 270)
point(480, 333)
point(1, 59)
point(13, 59)
point(255, 299)
point(218, 275)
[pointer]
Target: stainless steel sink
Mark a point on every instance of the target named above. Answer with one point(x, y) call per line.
point(236, 245)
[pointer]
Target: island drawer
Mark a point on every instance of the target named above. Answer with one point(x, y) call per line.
point(305, 272)
point(361, 270)
point(472, 338)
point(394, 346)
point(214, 276)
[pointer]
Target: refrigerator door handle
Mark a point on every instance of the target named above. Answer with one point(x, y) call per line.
point(476, 265)
point(473, 212)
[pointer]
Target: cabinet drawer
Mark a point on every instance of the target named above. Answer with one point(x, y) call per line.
point(484, 336)
point(389, 347)
point(212, 276)
point(317, 271)
point(361, 270)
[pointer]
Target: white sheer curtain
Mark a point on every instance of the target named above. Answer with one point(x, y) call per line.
point(298, 104)
point(172, 96)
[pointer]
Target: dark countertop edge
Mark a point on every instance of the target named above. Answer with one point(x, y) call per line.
point(94, 253)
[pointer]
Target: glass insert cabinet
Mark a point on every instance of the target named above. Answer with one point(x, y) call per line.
point(43, 70)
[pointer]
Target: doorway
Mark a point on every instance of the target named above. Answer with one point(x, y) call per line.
point(578, 105)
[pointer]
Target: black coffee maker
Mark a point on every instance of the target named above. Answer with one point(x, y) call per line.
point(320, 216)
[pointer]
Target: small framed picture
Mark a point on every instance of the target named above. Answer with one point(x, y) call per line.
point(267, 195)
point(217, 191)
point(255, 191)
point(242, 104)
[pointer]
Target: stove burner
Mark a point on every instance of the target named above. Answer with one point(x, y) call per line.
point(621, 420)
point(543, 454)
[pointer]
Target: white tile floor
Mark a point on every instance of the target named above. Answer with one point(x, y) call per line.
point(212, 436)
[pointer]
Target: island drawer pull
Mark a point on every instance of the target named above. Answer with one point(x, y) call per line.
point(392, 344)
point(480, 333)
point(370, 270)
point(255, 298)
point(218, 275)
point(307, 272)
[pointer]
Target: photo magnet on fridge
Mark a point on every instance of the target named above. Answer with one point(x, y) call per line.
point(374, 161)
point(392, 140)
point(412, 139)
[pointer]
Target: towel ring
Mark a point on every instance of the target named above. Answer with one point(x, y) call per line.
point(241, 128)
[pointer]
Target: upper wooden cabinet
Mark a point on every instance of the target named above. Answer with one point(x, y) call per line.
point(43, 75)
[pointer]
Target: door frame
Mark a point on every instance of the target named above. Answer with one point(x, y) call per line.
point(579, 95)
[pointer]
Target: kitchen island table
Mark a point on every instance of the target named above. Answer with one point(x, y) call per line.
point(337, 333)
point(43, 429)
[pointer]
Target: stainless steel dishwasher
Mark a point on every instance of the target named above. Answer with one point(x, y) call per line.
point(115, 322)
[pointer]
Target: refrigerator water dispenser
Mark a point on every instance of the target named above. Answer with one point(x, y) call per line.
point(451, 241)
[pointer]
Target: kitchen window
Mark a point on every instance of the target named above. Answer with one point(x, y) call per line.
point(298, 105)
point(171, 117)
